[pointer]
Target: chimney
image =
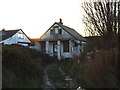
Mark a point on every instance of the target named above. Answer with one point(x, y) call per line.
point(61, 21)
point(3, 30)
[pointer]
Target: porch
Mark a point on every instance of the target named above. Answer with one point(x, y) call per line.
point(60, 49)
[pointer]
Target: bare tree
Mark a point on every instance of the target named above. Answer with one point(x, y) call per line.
point(103, 19)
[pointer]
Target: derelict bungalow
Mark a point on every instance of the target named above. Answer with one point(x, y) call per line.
point(61, 41)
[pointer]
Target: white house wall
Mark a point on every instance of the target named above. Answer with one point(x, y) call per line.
point(37, 46)
point(46, 36)
point(73, 51)
point(14, 39)
point(25, 39)
point(65, 54)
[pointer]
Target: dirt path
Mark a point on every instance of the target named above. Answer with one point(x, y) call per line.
point(47, 82)
point(71, 83)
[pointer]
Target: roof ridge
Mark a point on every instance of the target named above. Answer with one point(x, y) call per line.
point(8, 33)
point(14, 30)
point(67, 26)
point(71, 31)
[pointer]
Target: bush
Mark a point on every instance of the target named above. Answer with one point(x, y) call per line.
point(18, 63)
point(74, 69)
point(46, 59)
point(54, 73)
point(98, 69)
point(101, 69)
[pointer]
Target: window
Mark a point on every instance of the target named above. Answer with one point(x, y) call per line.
point(60, 31)
point(57, 30)
point(20, 35)
point(66, 46)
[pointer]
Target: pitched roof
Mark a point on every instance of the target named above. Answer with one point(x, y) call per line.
point(72, 32)
point(6, 34)
point(69, 30)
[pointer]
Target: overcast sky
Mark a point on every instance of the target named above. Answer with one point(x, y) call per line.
point(34, 17)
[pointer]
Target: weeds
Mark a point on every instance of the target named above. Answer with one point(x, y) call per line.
point(20, 67)
point(96, 69)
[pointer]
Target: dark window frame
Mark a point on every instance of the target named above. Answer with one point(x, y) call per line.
point(66, 46)
point(60, 31)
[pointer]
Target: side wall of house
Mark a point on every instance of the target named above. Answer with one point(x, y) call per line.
point(74, 50)
point(37, 46)
point(15, 39)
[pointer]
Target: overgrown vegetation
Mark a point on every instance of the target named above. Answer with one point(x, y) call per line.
point(98, 66)
point(55, 75)
point(101, 68)
point(75, 69)
point(95, 69)
point(21, 67)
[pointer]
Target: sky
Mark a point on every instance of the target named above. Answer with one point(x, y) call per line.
point(34, 17)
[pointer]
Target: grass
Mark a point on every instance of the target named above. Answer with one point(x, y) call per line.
point(10, 80)
point(21, 67)
point(75, 70)
point(55, 75)
point(98, 71)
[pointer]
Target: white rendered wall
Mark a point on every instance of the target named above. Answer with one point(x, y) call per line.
point(14, 39)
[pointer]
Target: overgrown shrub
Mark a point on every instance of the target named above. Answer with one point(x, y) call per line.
point(97, 69)
point(74, 69)
point(54, 73)
point(19, 67)
point(102, 69)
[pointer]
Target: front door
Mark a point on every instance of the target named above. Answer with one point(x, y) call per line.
point(55, 49)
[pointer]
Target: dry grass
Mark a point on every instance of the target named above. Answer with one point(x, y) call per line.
point(100, 66)
point(96, 69)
